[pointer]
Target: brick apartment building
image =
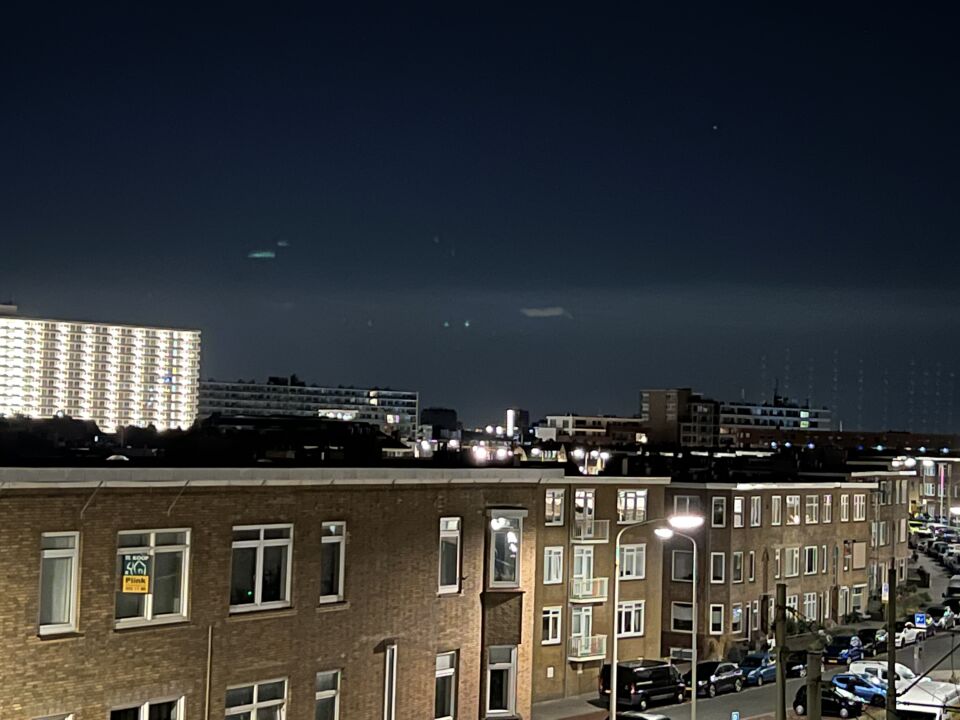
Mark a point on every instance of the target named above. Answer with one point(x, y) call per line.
point(148, 593)
point(580, 519)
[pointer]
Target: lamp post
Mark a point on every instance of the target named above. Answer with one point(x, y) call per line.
point(677, 523)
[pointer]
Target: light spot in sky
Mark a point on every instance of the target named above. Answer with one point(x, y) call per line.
point(261, 255)
point(283, 243)
point(716, 127)
point(466, 323)
point(446, 323)
point(545, 312)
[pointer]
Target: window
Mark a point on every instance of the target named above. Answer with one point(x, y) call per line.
point(445, 695)
point(152, 576)
point(738, 512)
point(791, 603)
point(718, 562)
point(260, 577)
point(776, 510)
point(812, 514)
point(681, 617)
point(776, 571)
point(756, 510)
point(844, 508)
point(631, 506)
point(793, 509)
point(390, 682)
point(501, 680)
point(263, 701)
point(449, 580)
point(506, 529)
point(155, 710)
point(553, 565)
point(884, 535)
point(333, 549)
point(328, 695)
point(552, 621)
point(873, 533)
point(751, 566)
point(633, 562)
point(859, 507)
point(716, 619)
point(736, 618)
point(718, 517)
point(823, 559)
point(686, 505)
point(810, 560)
point(682, 566)
point(630, 618)
point(903, 530)
point(810, 606)
point(902, 569)
point(553, 514)
point(755, 615)
point(59, 562)
point(828, 508)
point(737, 569)
point(792, 568)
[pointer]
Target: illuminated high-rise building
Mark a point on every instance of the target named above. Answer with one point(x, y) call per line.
point(115, 375)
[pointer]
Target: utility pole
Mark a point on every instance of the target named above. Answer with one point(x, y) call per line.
point(780, 640)
point(813, 685)
point(892, 645)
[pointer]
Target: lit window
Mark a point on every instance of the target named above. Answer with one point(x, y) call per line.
point(633, 562)
point(718, 517)
point(152, 575)
point(756, 505)
point(58, 582)
point(445, 693)
point(630, 618)
point(262, 701)
point(506, 530)
point(844, 508)
point(260, 577)
point(793, 509)
point(812, 514)
point(332, 559)
point(553, 513)
point(550, 634)
point(716, 619)
point(631, 506)
point(718, 562)
point(501, 680)
point(736, 618)
point(776, 510)
point(553, 565)
point(738, 512)
point(827, 508)
point(682, 566)
point(327, 695)
point(449, 555)
point(156, 710)
point(681, 617)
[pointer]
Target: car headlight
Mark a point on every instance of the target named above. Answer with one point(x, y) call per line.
point(701, 682)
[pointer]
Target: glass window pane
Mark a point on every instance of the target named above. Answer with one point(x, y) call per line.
point(330, 569)
point(327, 680)
point(499, 689)
point(326, 709)
point(125, 714)
point(276, 533)
point(239, 535)
point(163, 711)
point(239, 716)
point(271, 691)
point(446, 661)
point(449, 556)
point(505, 556)
point(500, 655)
point(171, 538)
point(243, 576)
point(330, 529)
point(58, 542)
point(240, 696)
point(443, 703)
point(134, 540)
point(167, 585)
point(274, 586)
point(269, 713)
point(56, 590)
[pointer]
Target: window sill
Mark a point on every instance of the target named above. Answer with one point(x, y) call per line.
point(628, 578)
point(60, 635)
point(121, 626)
point(260, 614)
point(330, 606)
point(505, 591)
point(450, 594)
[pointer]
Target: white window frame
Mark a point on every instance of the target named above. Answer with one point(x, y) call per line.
point(739, 503)
point(859, 508)
point(259, 545)
point(733, 566)
point(756, 511)
point(903, 530)
point(806, 560)
point(446, 533)
point(511, 668)
point(723, 567)
point(637, 553)
point(733, 614)
point(553, 560)
point(777, 568)
point(714, 628)
point(814, 507)
point(793, 500)
point(390, 682)
point(715, 503)
point(554, 617)
point(824, 559)
point(690, 503)
point(143, 708)
point(54, 554)
point(751, 566)
point(827, 508)
point(341, 539)
point(844, 508)
point(793, 558)
point(673, 617)
point(673, 565)
point(776, 510)
point(257, 704)
point(631, 506)
point(553, 507)
point(808, 599)
point(153, 550)
point(631, 609)
point(447, 672)
point(327, 694)
point(508, 514)
point(755, 615)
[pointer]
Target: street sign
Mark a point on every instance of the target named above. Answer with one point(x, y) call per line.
point(136, 573)
point(734, 715)
point(885, 593)
point(920, 620)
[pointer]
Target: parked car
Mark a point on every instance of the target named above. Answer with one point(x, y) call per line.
point(641, 682)
point(759, 668)
point(878, 669)
point(716, 677)
point(874, 640)
point(924, 544)
point(929, 701)
point(953, 587)
point(941, 616)
point(936, 548)
point(907, 634)
point(834, 702)
point(954, 605)
point(796, 663)
point(865, 687)
point(843, 650)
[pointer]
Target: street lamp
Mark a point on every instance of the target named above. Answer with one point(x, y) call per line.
point(678, 523)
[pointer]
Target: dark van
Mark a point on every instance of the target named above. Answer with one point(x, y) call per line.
point(642, 682)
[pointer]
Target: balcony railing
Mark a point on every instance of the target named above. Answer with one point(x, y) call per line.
point(591, 647)
point(587, 531)
point(588, 590)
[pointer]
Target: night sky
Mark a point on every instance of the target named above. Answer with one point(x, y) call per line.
point(542, 206)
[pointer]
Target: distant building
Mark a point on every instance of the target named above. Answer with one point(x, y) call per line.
point(592, 429)
point(739, 420)
point(393, 411)
point(115, 375)
point(440, 418)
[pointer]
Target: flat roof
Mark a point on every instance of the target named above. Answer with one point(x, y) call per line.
point(4, 317)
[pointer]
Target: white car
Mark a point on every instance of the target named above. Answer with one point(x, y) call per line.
point(907, 634)
point(878, 670)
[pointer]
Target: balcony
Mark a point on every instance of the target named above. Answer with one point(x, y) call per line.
point(590, 531)
point(590, 647)
point(589, 590)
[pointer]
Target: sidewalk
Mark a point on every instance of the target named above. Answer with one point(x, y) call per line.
point(571, 708)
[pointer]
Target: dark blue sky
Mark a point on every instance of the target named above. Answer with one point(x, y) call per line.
point(696, 188)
